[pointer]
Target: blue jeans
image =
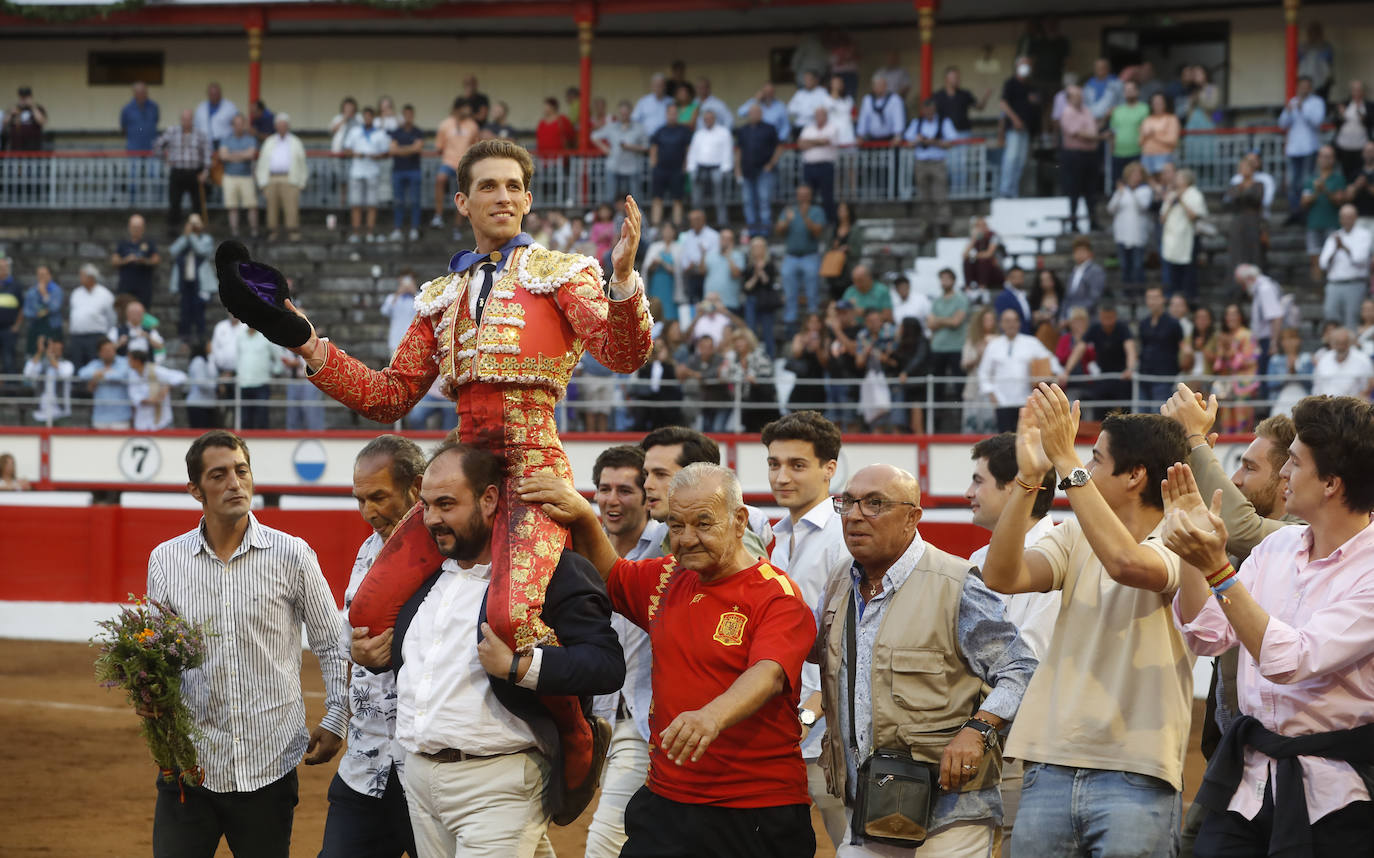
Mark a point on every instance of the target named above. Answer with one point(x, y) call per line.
point(1095, 812)
point(1179, 278)
point(758, 200)
point(1132, 264)
point(762, 323)
point(419, 415)
point(1299, 169)
point(405, 187)
point(1013, 162)
point(800, 272)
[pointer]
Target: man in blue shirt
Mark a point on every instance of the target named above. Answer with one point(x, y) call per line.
point(407, 143)
point(801, 224)
point(107, 377)
point(774, 111)
point(756, 159)
point(668, 158)
point(261, 120)
point(138, 120)
point(239, 153)
point(1160, 336)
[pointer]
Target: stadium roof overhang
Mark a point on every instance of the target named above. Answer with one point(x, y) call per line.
point(611, 17)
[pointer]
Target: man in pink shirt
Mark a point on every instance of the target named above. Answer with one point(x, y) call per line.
point(452, 139)
point(1287, 778)
point(1078, 160)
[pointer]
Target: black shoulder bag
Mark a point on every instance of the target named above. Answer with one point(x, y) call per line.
point(894, 793)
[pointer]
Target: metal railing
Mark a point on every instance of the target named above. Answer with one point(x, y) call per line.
point(1213, 154)
point(111, 179)
point(296, 405)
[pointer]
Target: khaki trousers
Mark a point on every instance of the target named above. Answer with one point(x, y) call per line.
point(283, 199)
point(487, 808)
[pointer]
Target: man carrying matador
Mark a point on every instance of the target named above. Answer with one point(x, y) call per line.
point(504, 328)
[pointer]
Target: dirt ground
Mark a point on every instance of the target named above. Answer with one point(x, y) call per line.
point(80, 781)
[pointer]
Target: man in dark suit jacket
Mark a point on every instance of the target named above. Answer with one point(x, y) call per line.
point(483, 759)
point(1087, 281)
point(1013, 297)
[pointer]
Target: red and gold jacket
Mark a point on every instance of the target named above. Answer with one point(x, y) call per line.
point(545, 309)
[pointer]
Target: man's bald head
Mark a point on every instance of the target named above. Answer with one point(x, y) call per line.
point(881, 522)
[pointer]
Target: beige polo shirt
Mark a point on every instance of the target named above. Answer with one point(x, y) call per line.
point(1115, 689)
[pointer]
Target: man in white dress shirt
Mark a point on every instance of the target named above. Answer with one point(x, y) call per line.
point(803, 450)
point(482, 770)
point(619, 479)
point(1011, 362)
point(1343, 370)
point(367, 805)
point(1345, 259)
point(809, 98)
point(709, 160)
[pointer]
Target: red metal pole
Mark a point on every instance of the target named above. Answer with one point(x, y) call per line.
point(254, 25)
point(585, 15)
point(1290, 16)
point(925, 10)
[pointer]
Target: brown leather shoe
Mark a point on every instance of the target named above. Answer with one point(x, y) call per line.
point(576, 799)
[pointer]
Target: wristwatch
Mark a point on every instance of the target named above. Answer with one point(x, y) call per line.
point(806, 716)
point(1077, 478)
point(990, 734)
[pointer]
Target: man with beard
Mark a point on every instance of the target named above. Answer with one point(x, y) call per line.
point(482, 754)
point(619, 478)
point(367, 805)
point(1253, 506)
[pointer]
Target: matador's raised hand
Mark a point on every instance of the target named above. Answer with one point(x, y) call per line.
point(623, 256)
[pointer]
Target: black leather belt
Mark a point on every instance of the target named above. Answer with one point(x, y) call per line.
point(453, 755)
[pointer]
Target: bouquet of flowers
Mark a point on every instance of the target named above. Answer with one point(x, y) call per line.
point(144, 651)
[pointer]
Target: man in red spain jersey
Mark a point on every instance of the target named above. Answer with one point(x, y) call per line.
point(729, 634)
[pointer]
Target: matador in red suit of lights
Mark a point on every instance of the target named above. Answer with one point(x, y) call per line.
point(504, 328)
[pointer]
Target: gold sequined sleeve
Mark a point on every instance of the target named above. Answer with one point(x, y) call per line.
point(617, 333)
point(386, 395)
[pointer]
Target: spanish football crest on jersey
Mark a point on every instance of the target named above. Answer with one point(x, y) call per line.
point(730, 629)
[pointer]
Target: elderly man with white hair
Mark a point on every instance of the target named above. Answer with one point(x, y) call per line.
point(91, 315)
point(282, 172)
point(1266, 307)
point(1345, 259)
point(729, 634)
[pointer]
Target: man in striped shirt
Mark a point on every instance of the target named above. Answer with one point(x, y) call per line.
point(253, 587)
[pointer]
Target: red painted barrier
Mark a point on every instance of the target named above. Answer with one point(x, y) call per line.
point(100, 553)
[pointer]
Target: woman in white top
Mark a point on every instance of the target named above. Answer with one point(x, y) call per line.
point(841, 110)
point(1354, 127)
point(1130, 210)
point(1183, 207)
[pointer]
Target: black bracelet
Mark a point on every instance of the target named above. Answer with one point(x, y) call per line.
point(514, 675)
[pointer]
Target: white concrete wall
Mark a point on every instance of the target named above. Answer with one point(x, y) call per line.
point(307, 76)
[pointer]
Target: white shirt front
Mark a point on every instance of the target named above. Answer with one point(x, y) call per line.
point(151, 384)
point(1351, 260)
point(711, 325)
point(444, 696)
point(1004, 372)
point(279, 154)
point(400, 310)
point(916, 305)
point(365, 142)
point(92, 310)
point(1266, 305)
point(1033, 614)
point(808, 551)
point(1130, 208)
point(1334, 377)
point(827, 153)
point(1176, 237)
point(802, 106)
point(695, 246)
point(711, 147)
point(224, 345)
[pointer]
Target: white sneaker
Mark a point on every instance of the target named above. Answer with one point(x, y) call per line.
point(353, 238)
point(436, 221)
point(396, 235)
point(414, 234)
point(371, 239)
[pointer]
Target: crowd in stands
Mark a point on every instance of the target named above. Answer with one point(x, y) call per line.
point(779, 309)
